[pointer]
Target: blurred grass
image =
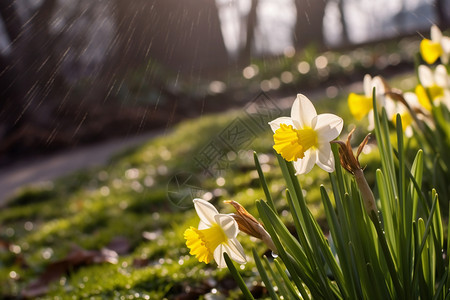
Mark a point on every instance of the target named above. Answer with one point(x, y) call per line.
point(127, 198)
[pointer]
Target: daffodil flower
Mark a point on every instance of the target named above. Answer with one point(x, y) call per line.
point(361, 105)
point(438, 46)
point(411, 112)
point(420, 112)
point(406, 118)
point(305, 137)
point(215, 235)
point(433, 84)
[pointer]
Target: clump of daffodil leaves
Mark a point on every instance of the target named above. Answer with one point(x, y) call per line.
point(385, 240)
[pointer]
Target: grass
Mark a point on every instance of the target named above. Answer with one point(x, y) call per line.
point(129, 198)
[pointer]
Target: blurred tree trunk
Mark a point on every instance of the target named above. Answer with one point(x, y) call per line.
point(442, 16)
point(309, 24)
point(345, 39)
point(26, 62)
point(183, 35)
point(10, 19)
point(29, 73)
point(161, 38)
point(158, 41)
point(252, 19)
point(12, 96)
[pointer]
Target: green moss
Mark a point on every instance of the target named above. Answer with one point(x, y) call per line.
point(130, 198)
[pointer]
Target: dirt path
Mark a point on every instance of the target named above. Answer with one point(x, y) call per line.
point(45, 169)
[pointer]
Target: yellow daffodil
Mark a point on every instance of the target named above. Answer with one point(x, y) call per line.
point(434, 84)
point(215, 235)
point(418, 110)
point(437, 46)
point(413, 101)
point(406, 118)
point(420, 113)
point(422, 95)
point(305, 137)
point(361, 105)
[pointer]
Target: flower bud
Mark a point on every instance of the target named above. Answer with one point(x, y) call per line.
point(249, 225)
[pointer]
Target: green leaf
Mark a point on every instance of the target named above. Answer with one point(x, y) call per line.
point(376, 291)
point(416, 181)
point(292, 245)
point(264, 276)
point(297, 269)
point(292, 292)
point(420, 257)
point(351, 282)
point(263, 181)
point(237, 277)
point(388, 211)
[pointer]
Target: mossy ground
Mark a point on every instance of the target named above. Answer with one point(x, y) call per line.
point(131, 198)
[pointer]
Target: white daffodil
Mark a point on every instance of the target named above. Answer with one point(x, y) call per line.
point(438, 46)
point(361, 105)
point(433, 84)
point(405, 115)
point(215, 235)
point(305, 137)
point(420, 112)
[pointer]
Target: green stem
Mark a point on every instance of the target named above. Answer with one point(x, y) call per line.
point(366, 192)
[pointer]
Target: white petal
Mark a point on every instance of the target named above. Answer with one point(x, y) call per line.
point(235, 251)
point(411, 99)
point(303, 111)
point(445, 57)
point(218, 256)
point(446, 99)
point(436, 34)
point(328, 126)
point(426, 77)
point(206, 211)
point(445, 44)
point(380, 89)
point(275, 124)
point(304, 165)
point(391, 108)
point(371, 120)
point(409, 132)
point(441, 76)
point(325, 158)
point(228, 224)
point(367, 82)
point(202, 225)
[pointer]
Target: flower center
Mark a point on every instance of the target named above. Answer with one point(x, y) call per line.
point(423, 97)
point(435, 91)
point(359, 105)
point(292, 143)
point(203, 242)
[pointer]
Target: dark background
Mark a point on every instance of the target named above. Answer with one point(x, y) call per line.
point(79, 72)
